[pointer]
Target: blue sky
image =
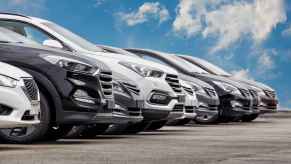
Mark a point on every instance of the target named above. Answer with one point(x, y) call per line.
point(251, 38)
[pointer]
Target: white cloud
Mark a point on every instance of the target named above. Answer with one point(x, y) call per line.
point(266, 62)
point(282, 108)
point(229, 22)
point(287, 32)
point(31, 7)
point(99, 3)
point(145, 12)
point(242, 74)
point(265, 65)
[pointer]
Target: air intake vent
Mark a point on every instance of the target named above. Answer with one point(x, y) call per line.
point(271, 94)
point(30, 88)
point(188, 90)
point(106, 83)
point(245, 92)
point(132, 88)
point(210, 92)
point(173, 81)
point(178, 108)
point(253, 93)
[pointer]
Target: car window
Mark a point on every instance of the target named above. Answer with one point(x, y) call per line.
point(35, 34)
point(29, 31)
point(26, 30)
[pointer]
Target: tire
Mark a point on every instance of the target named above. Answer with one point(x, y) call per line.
point(32, 134)
point(206, 119)
point(249, 118)
point(87, 131)
point(156, 125)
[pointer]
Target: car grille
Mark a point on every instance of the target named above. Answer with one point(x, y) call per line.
point(188, 90)
point(271, 94)
point(31, 89)
point(245, 92)
point(210, 92)
point(106, 83)
point(132, 88)
point(174, 83)
point(178, 108)
point(189, 109)
point(253, 93)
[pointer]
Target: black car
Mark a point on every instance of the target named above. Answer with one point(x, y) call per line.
point(73, 90)
point(267, 96)
point(235, 99)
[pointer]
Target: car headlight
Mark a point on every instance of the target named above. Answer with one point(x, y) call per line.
point(143, 70)
point(72, 65)
point(228, 87)
point(117, 87)
point(6, 81)
point(197, 88)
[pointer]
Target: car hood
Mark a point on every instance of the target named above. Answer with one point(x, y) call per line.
point(195, 80)
point(105, 56)
point(212, 78)
point(255, 84)
point(43, 50)
point(11, 71)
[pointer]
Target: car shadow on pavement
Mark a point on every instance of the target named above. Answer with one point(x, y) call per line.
point(7, 148)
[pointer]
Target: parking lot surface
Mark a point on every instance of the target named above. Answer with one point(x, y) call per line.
point(265, 141)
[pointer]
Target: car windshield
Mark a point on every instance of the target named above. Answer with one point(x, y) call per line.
point(118, 51)
point(185, 64)
point(211, 67)
point(8, 36)
point(74, 38)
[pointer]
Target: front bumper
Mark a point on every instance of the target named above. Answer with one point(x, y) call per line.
point(268, 105)
point(116, 118)
point(235, 106)
point(17, 109)
point(207, 106)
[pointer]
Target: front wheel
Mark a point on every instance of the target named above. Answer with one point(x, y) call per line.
point(24, 135)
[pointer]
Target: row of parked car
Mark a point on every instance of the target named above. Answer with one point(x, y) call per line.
point(66, 86)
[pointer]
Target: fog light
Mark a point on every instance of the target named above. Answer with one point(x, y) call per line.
point(83, 96)
point(158, 98)
point(84, 100)
point(235, 104)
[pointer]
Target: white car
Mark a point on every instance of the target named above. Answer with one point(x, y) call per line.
point(19, 98)
point(159, 88)
point(191, 102)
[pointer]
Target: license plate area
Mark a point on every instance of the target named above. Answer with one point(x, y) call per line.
point(110, 104)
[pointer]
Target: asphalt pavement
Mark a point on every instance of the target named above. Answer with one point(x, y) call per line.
point(265, 141)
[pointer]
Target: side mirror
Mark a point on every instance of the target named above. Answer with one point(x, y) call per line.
point(52, 43)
